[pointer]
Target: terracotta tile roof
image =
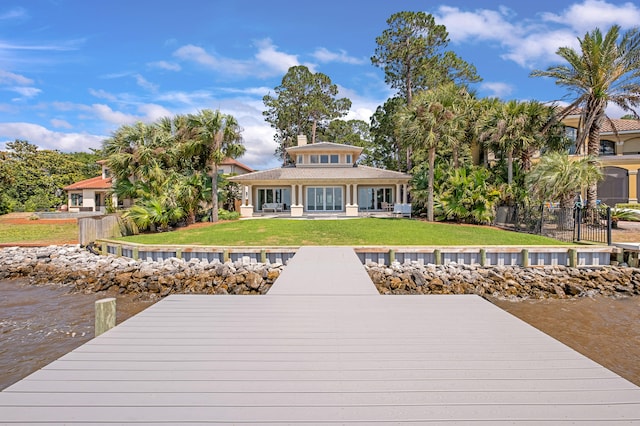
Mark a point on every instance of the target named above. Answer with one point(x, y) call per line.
point(234, 162)
point(93, 183)
point(321, 173)
point(621, 125)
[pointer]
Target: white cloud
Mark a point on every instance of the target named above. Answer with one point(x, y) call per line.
point(55, 122)
point(585, 16)
point(145, 84)
point(102, 94)
point(533, 44)
point(324, 55)
point(47, 139)
point(267, 61)
point(481, 24)
point(105, 113)
point(7, 77)
point(165, 65)
point(276, 61)
point(497, 89)
point(25, 92)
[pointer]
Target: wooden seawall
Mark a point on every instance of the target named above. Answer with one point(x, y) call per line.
point(322, 348)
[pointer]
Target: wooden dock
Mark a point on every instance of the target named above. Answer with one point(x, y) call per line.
point(340, 355)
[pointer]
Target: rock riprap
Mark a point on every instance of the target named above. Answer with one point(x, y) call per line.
point(505, 281)
point(83, 271)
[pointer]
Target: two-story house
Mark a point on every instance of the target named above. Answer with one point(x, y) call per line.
point(619, 156)
point(324, 178)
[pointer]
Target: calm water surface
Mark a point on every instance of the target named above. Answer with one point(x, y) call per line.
point(39, 324)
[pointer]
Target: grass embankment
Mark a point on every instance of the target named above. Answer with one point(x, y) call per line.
point(353, 232)
point(17, 228)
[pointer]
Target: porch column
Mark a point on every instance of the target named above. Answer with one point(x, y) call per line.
point(351, 208)
point(398, 199)
point(633, 186)
point(246, 209)
point(404, 193)
point(297, 208)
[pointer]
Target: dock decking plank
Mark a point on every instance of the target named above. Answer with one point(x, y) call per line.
point(336, 355)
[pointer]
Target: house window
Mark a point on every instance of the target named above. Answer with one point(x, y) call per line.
point(349, 159)
point(314, 159)
point(76, 200)
point(335, 158)
point(324, 159)
point(607, 148)
point(300, 159)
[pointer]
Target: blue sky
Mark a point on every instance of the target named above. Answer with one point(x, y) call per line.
point(73, 71)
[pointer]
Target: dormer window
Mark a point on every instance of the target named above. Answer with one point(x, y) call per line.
point(324, 159)
point(349, 159)
point(314, 158)
point(335, 158)
point(300, 157)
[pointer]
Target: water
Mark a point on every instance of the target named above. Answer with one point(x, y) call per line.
point(39, 324)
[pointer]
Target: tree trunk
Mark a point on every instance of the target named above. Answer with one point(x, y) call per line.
point(594, 151)
point(214, 193)
point(432, 162)
point(510, 166)
point(313, 131)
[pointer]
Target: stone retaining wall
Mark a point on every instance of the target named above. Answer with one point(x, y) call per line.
point(505, 281)
point(83, 271)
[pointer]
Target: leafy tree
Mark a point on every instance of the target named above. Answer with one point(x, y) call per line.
point(304, 104)
point(412, 52)
point(214, 136)
point(603, 70)
point(435, 118)
point(558, 177)
point(385, 152)
point(34, 179)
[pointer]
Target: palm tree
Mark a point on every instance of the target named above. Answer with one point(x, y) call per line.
point(557, 177)
point(602, 71)
point(512, 127)
point(434, 118)
point(213, 136)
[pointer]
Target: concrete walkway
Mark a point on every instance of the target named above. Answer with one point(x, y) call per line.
point(322, 349)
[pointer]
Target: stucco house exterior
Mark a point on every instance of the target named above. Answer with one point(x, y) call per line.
point(324, 178)
point(90, 195)
point(619, 156)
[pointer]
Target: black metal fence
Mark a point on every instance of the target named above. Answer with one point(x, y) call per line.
point(564, 224)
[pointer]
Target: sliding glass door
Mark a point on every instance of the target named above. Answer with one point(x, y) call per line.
point(324, 198)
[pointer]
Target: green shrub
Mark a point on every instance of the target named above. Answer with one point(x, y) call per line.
point(227, 215)
point(634, 206)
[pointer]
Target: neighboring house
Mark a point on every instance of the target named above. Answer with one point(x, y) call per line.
point(90, 195)
point(233, 167)
point(324, 178)
point(620, 158)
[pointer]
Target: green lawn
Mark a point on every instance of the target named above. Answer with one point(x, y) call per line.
point(41, 233)
point(385, 232)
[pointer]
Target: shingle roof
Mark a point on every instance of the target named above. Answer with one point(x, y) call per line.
point(321, 173)
point(93, 183)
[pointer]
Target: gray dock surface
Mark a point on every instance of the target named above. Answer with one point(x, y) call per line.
point(340, 355)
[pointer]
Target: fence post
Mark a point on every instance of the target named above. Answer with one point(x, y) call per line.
point(578, 224)
point(573, 258)
point(483, 257)
point(609, 239)
point(437, 257)
point(525, 258)
point(392, 256)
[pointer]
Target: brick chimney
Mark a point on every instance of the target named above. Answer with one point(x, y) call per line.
point(302, 140)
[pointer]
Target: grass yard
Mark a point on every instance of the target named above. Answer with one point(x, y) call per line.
point(353, 232)
point(17, 228)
